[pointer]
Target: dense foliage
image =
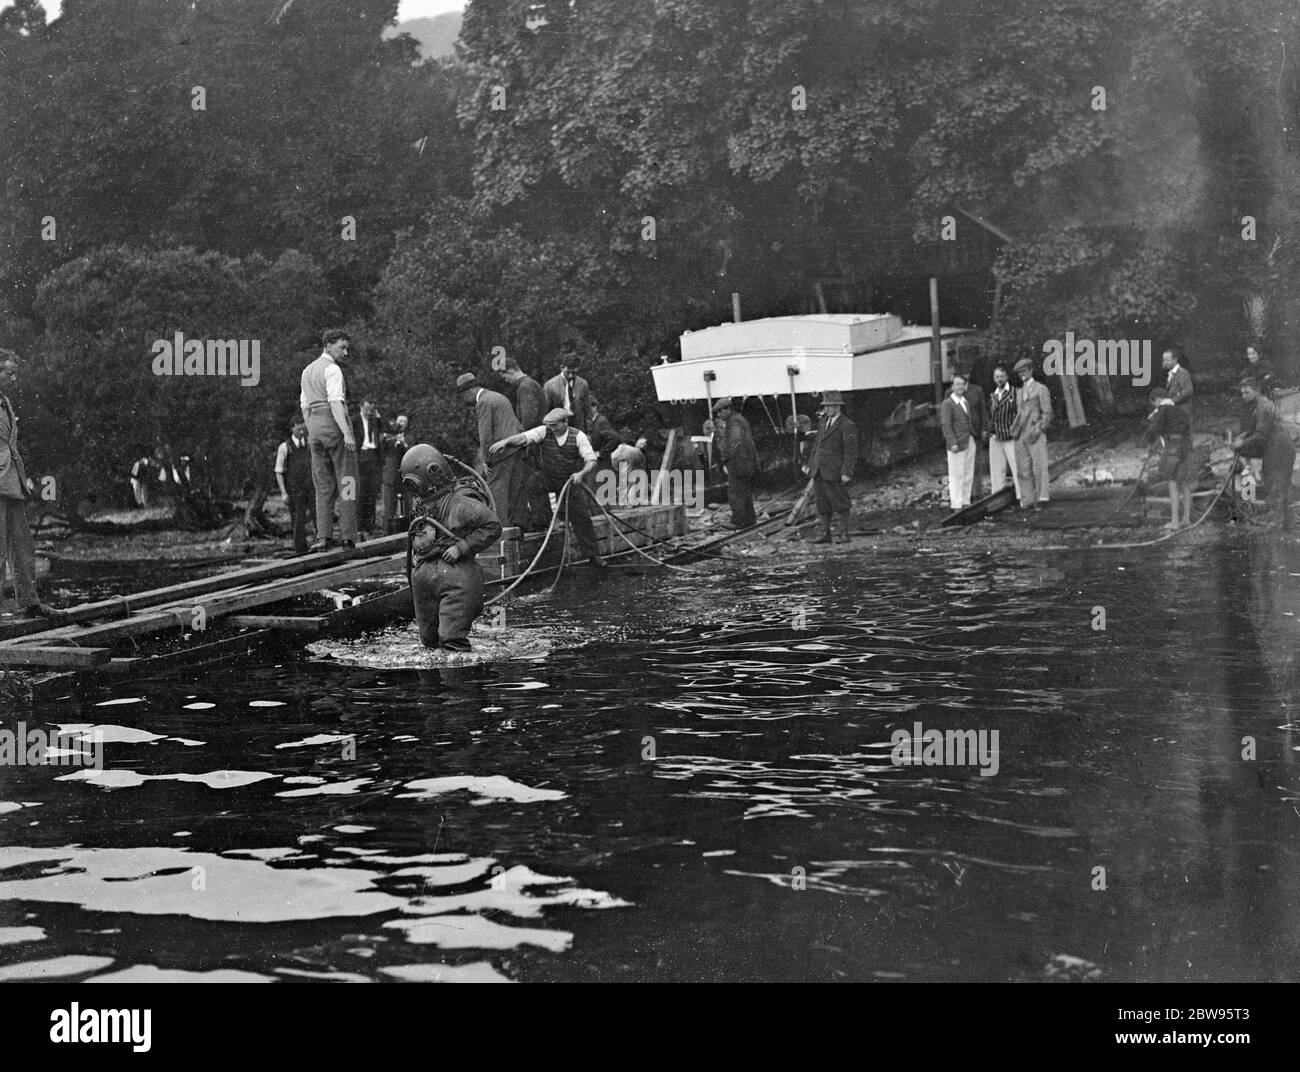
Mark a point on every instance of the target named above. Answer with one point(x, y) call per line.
point(601, 175)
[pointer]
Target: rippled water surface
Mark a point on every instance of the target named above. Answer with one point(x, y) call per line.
point(690, 778)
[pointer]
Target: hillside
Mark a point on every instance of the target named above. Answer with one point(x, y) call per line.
point(437, 35)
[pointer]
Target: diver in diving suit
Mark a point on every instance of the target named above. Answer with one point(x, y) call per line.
point(448, 528)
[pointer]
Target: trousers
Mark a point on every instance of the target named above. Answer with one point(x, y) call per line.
point(1002, 459)
point(1031, 475)
point(740, 500)
point(961, 475)
point(334, 474)
point(448, 597)
point(506, 480)
point(17, 549)
point(300, 510)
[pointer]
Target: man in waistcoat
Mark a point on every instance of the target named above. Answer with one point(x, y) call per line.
point(564, 456)
point(293, 474)
point(333, 445)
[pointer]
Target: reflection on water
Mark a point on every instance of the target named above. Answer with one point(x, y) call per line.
point(689, 777)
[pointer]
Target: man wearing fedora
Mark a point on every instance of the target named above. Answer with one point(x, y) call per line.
point(497, 421)
point(835, 453)
point(1033, 418)
point(739, 461)
point(569, 391)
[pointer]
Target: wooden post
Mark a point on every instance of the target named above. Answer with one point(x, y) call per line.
point(936, 343)
point(997, 305)
point(664, 466)
point(792, 372)
point(735, 306)
point(1073, 402)
point(821, 296)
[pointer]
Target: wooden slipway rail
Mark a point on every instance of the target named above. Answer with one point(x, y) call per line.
point(1000, 500)
point(87, 638)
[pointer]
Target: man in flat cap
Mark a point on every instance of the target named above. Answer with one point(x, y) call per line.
point(1033, 418)
point(496, 421)
point(1264, 437)
point(834, 456)
point(739, 461)
point(564, 456)
point(569, 391)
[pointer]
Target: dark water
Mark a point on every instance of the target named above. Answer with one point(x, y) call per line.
point(503, 821)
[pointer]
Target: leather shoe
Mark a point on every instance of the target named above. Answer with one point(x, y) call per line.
point(44, 610)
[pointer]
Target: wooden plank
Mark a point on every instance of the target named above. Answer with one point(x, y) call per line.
point(189, 658)
point(284, 622)
point(670, 455)
point(220, 603)
point(1073, 400)
point(118, 608)
point(31, 655)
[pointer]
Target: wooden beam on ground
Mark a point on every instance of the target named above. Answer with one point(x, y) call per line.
point(32, 655)
point(798, 508)
point(282, 622)
point(199, 655)
point(670, 455)
point(218, 604)
point(121, 607)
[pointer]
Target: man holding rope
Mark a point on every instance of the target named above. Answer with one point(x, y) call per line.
point(565, 457)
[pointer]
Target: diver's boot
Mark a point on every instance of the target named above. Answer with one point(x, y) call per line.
point(824, 532)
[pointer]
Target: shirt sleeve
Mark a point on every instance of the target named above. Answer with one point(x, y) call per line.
point(585, 447)
point(281, 456)
point(535, 435)
point(333, 383)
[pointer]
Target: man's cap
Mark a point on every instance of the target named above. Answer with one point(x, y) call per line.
point(1022, 364)
point(722, 403)
point(558, 414)
point(832, 398)
point(466, 381)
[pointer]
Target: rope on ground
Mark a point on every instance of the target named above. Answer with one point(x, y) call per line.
point(1232, 471)
point(618, 528)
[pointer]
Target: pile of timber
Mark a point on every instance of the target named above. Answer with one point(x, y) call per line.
point(223, 602)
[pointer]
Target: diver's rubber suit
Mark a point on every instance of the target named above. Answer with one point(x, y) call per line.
point(449, 595)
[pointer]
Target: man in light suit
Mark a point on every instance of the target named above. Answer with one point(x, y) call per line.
point(960, 427)
point(569, 391)
point(834, 456)
point(16, 488)
point(1033, 418)
point(497, 421)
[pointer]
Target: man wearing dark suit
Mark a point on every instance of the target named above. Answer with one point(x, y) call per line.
point(369, 432)
point(497, 421)
point(16, 489)
point(395, 442)
point(525, 394)
point(740, 458)
point(958, 419)
point(1178, 381)
point(834, 456)
point(569, 391)
point(979, 411)
point(602, 435)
